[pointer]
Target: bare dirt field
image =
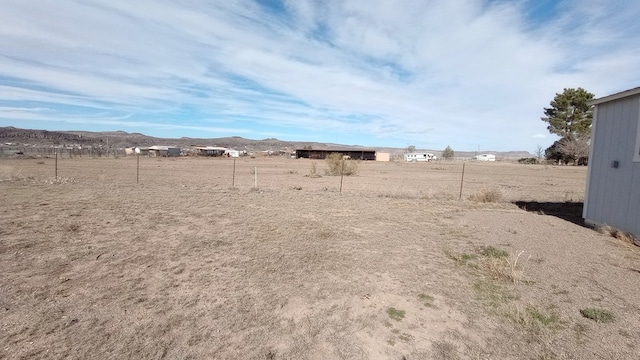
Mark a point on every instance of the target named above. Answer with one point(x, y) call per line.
point(184, 265)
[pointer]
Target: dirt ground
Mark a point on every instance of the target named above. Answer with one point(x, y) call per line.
point(194, 262)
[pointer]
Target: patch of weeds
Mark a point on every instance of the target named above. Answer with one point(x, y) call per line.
point(426, 299)
point(496, 295)
point(405, 337)
point(387, 324)
point(313, 171)
point(60, 180)
point(486, 196)
point(544, 319)
point(506, 267)
point(444, 350)
point(395, 314)
point(490, 251)
point(462, 259)
point(561, 292)
point(391, 341)
point(598, 315)
point(293, 172)
point(395, 331)
point(532, 318)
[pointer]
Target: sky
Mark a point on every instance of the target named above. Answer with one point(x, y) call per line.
point(470, 74)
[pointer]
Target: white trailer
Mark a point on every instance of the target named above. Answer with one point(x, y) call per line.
point(415, 157)
point(486, 157)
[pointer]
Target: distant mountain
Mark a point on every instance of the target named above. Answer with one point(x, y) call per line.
point(122, 139)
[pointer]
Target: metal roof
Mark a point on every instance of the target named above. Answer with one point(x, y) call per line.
point(616, 96)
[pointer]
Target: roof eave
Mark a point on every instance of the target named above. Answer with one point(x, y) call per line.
point(616, 96)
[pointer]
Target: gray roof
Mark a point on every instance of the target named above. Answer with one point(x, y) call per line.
point(616, 96)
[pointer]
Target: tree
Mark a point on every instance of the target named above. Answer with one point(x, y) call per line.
point(539, 152)
point(569, 114)
point(447, 153)
point(411, 148)
point(576, 149)
point(553, 153)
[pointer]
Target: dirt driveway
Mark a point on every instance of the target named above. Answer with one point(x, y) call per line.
point(184, 265)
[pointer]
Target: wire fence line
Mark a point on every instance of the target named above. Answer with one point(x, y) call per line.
point(390, 179)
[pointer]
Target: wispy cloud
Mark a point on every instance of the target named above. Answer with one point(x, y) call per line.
point(430, 73)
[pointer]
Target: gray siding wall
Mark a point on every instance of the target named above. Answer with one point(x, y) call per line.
point(613, 195)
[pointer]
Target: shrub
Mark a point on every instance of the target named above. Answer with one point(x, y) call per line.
point(448, 153)
point(486, 196)
point(531, 160)
point(337, 165)
point(597, 315)
point(313, 171)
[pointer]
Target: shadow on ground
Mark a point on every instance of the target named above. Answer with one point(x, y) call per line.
point(569, 211)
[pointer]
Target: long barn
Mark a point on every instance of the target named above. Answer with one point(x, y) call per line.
point(322, 154)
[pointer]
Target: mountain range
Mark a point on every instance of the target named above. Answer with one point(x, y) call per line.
point(121, 139)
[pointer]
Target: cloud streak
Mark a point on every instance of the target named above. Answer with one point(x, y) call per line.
point(378, 73)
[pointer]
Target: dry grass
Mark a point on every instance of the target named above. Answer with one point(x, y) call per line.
point(509, 267)
point(487, 196)
point(624, 237)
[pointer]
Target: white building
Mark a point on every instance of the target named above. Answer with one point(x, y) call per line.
point(414, 157)
point(612, 194)
point(232, 153)
point(485, 157)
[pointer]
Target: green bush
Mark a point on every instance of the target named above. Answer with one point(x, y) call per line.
point(531, 160)
point(338, 165)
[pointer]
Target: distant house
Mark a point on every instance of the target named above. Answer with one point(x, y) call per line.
point(415, 157)
point(612, 194)
point(209, 150)
point(232, 153)
point(164, 151)
point(485, 157)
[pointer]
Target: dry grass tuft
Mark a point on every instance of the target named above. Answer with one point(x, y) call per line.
point(17, 177)
point(60, 181)
point(501, 265)
point(313, 171)
point(624, 237)
point(532, 318)
point(487, 196)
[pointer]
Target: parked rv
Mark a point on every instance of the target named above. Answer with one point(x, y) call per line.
point(486, 157)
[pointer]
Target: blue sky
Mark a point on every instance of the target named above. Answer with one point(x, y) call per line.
point(466, 73)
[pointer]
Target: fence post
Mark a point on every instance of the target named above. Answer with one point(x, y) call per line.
point(341, 175)
point(56, 164)
point(233, 178)
point(462, 180)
